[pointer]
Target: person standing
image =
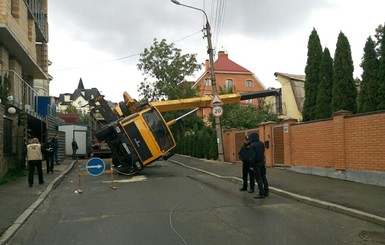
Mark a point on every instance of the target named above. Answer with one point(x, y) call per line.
point(74, 149)
point(259, 165)
point(247, 171)
point(35, 158)
point(55, 146)
point(48, 155)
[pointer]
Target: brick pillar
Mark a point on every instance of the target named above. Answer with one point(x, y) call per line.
point(265, 135)
point(338, 140)
point(287, 122)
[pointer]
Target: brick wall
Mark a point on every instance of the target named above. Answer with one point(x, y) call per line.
point(344, 142)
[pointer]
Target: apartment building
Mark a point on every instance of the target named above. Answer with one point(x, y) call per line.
point(24, 74)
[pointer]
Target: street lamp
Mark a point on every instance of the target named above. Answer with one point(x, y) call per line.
point(212, 73)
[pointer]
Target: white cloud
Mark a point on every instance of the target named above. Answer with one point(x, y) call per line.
point(88, 37)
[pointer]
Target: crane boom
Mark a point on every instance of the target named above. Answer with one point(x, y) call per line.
point(201, 102)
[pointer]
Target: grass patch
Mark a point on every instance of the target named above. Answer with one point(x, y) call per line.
point(13, 174)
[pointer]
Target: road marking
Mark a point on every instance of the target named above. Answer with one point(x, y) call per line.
point(132, 179)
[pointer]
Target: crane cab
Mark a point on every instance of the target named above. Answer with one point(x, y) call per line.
point(138, 139)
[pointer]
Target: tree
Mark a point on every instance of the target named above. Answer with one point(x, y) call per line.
point(380, 35)
point(369, 86)
point(324, 93)
point(314, 55)
point(71, 109)
point(165, 68)
point(344, 93)
point(244, 117)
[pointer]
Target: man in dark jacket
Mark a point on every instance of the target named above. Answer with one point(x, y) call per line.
point(48, 155)
point(244, 155)
point(259, 165)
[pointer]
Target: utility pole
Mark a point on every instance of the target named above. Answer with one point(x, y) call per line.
point(210, 51)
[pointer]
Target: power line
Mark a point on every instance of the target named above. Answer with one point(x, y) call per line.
point(117, 59)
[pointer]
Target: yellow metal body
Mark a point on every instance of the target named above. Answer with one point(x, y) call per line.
point(201, 102)
point(146, 136)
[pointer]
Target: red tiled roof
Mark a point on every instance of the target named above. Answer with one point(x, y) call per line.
point(223, 63)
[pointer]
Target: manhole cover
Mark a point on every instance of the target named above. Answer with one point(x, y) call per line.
point(373, 236)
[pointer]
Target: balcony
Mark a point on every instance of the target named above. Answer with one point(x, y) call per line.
point(37, 12)
point(22, 95)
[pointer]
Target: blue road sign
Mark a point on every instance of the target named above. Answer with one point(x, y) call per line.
point(95, 166)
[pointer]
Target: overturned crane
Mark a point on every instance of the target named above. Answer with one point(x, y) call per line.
point(138, 134)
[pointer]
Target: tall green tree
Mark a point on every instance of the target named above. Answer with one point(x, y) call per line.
point(324, 92)
point(314, 54)
point(380, 35)
point(344, 89)
point(165, 68)
point(368, 94)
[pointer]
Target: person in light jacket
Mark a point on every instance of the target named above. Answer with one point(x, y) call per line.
point(35, 158)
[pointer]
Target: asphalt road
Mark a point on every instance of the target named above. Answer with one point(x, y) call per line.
point(169, 204)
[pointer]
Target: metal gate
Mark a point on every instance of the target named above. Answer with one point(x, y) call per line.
point(278, 146)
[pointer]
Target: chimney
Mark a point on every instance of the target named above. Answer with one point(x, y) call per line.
point(222, 54)
point(207, 65)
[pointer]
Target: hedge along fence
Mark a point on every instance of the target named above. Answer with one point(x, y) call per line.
point(200, 144)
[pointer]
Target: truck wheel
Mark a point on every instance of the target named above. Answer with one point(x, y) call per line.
point(125, 110)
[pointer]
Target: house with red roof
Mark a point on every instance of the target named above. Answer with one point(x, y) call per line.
point(228, 75)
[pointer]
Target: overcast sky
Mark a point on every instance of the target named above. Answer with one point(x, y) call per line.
point(100, 41)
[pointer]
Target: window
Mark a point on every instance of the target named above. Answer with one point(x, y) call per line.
point(159, 130)
point(229, 83)
point(249, 83)
point(207, 82)
point(249, 101)
point(7, 136)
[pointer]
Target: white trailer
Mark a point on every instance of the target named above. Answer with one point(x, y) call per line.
point(80, 134)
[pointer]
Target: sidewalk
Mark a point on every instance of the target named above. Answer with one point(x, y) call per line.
point(18, 201)
point(367, 202)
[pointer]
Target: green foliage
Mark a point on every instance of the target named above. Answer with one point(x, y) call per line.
point(198, 142)
point(380, 35)
point(5, 88)
point(324, 92)
point(344, 88)
point(314, 55)
point(71, 109)
point(164, 68)
point(244, 117)
point(84, 119)
point(369, 87)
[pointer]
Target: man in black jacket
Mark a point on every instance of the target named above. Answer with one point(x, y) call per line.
point(259, 165)
point(48, 155)
point(245, 156)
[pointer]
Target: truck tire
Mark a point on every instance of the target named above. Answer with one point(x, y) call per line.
point(125, 110)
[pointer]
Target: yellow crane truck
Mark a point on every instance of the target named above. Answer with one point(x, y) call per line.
point(137, 133)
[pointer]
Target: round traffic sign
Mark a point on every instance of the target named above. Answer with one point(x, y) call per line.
point(95, 166)
point(217, 111)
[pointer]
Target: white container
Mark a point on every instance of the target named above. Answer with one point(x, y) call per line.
point(79, 133)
